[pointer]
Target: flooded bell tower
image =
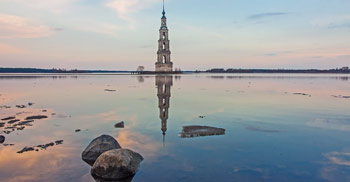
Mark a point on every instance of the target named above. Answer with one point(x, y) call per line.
point(163, 63)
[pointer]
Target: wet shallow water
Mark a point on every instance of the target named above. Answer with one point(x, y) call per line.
point(279, 127)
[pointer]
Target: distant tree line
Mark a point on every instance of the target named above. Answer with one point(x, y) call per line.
point(53, 70)
point(36, 70)
point(231, 70)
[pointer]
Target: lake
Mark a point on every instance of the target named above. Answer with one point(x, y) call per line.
point(278, 127)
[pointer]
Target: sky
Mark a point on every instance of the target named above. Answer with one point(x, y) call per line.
point(123, 34)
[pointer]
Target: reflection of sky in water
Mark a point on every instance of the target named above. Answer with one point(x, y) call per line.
point(271, 133)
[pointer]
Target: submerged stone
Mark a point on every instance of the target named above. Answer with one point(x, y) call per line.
point(341, 96)
point(21, 106)
point(304, 94)
point(197, 131)
point(21, 128)
point(58, 142)
point(13, 121)
point(45, 146)
point(6, 107)
point(2, 139)
point(117, 164)
point(8, 118)
point(25, 122)
point(36, 117)
point(119, 125)
point(97, 146)
point(7, 131)
point(26, 149)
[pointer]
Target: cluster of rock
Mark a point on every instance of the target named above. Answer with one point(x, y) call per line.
point(197, 131)
point(41, 147)
point(11, 123)
point(109, 161)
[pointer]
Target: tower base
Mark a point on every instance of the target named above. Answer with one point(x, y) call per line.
point(164, 67)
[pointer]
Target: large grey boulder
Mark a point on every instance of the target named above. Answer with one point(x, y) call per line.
point(117, 164)
point(98, 146)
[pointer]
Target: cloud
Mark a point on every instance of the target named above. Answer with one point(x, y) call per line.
point(255, 128)
point(265, 15)
point(126, 8)
point(271, 54)
point(335, 22)
point(55, 6)
point(19, 27)
point(136, 141)
point(20, 167)
point(101, 28)
point(339, 158)
point(341, 25)
point(58, 29)
point(146, 46)
point(330, 124)
point(8, 49)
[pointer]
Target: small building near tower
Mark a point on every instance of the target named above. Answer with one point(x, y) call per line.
point(163, 63)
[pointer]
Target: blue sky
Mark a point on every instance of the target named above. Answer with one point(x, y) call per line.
point(122, 34)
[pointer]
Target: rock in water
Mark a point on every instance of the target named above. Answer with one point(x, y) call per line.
point(97, 146)
point(109, 90)
point(119, 125)
point(8, 118)
point(117, 164)
point(2, 139)
point(197, 131)
point(36, 117)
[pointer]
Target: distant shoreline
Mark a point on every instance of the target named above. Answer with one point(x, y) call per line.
point(300, 71)
point(344, 70)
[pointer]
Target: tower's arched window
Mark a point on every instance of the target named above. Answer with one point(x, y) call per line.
point(164, 101)
point(163, 36)
point(164, 59)
point(163, 45)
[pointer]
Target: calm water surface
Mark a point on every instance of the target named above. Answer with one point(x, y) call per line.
point(272, 134)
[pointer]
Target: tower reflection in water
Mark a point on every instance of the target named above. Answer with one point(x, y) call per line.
point(164, 84)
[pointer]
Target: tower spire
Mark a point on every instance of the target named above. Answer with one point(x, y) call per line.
point(163, 10)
